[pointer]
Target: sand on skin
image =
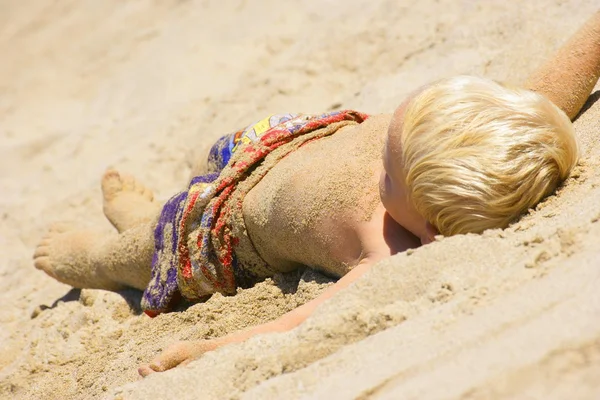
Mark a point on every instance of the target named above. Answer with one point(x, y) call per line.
point(146, 88)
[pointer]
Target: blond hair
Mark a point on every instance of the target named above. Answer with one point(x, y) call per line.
point(478, 154)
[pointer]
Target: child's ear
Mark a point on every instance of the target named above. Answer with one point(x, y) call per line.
point(430, 233)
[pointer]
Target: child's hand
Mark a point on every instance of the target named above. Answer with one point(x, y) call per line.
point(180, 353)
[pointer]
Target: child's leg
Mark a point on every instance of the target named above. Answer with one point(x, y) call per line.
point(127, 203)
point(90, 259)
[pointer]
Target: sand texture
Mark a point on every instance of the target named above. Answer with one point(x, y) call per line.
point(146, 86)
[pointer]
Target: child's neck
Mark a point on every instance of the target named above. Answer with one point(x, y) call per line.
point(396, 238)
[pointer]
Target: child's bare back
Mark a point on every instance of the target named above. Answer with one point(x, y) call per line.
point(315, 207)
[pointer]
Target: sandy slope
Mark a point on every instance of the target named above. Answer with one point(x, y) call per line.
point(145, 86)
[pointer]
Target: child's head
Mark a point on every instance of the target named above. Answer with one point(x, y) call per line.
point(470, 154)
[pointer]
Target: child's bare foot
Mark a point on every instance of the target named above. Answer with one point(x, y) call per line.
point(180, 353)
point(127, 203)
point(69, 257)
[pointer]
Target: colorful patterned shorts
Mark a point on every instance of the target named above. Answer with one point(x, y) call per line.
point(199, 229)
point(225, 147)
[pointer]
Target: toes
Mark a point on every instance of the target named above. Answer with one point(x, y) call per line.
point(139, 187)
point(44, 264)
point(114, 182)
point(45, 241)
point(129, 183)
point(41, 251)
point(147, 193)
point(41, 259)
point(111, 183)
point(41, 262)
point(58, 227)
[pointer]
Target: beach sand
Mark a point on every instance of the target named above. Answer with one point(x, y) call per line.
point(146, 87)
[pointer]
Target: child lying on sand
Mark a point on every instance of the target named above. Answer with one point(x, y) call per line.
point(335, 192)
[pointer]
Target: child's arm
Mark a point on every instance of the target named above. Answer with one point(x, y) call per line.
point(184, 352)
point(569, 77)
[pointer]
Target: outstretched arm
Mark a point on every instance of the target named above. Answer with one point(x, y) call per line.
point(568, 78)
point(184, 352)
